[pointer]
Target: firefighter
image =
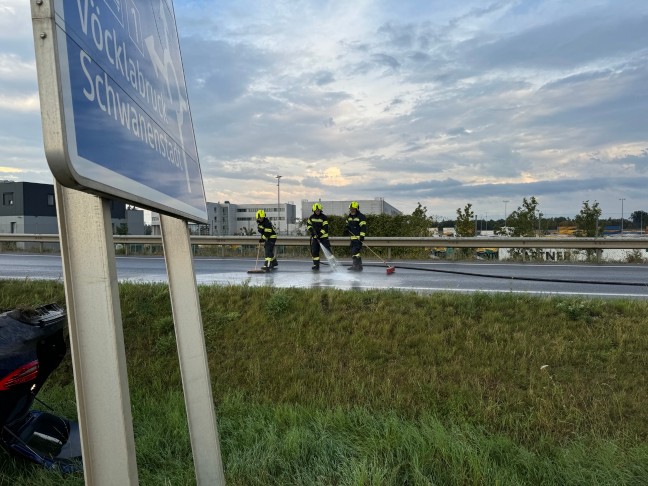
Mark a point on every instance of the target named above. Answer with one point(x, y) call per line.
point(268, 238)
point(317, 226)
point(357, 228)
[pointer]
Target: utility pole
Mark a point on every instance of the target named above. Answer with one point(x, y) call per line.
point(622, 199)
point(505, 216)
point(278, 177)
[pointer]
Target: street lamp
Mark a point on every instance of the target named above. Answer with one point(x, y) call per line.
point(505, 215)
point(278, 177)
point(622, 199)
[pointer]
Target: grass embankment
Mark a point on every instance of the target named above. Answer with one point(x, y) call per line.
point(339, 387)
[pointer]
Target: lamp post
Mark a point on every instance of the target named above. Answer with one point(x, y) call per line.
point(505, 215)
point(278, 177)
point(622, 199)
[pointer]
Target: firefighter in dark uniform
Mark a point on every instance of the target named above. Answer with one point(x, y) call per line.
point(357, 229)
point(317, 225)
point(268, 238)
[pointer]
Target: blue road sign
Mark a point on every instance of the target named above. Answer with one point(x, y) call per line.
point(127, 130)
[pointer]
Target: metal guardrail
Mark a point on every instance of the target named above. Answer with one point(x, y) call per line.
point(424, 242)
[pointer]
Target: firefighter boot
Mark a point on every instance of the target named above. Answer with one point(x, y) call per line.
point(315, 266)
point(355, 266)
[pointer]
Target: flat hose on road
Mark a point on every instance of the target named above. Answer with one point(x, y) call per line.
point(530, 279)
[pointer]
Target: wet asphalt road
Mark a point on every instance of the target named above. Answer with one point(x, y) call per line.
point(607, 280)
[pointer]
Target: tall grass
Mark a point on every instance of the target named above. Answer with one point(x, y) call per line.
point(343, 387)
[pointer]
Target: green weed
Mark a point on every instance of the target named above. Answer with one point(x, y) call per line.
point(585, 310)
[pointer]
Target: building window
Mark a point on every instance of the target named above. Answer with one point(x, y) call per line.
point(7, 199)
point(13, 227)
point(50, 199)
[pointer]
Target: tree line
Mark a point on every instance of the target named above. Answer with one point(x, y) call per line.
point(526, 220)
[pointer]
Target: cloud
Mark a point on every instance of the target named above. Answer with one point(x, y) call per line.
point(442, 103)
point(29, 103)
point(10, 170)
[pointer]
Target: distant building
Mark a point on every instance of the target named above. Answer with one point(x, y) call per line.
point(30, 208)
point(27, 207)
point(227, 219)
point(135, 221)
point(611, 230)
point(341, 208)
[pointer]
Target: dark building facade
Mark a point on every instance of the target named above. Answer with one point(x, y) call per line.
point(30, 208)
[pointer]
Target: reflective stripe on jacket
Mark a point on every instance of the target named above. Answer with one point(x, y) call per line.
point(318, 225)
point(357, 225)
point(266, 229)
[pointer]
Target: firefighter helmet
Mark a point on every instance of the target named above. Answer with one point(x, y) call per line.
point(260, 214)
point(354, 205)
point(317, 206)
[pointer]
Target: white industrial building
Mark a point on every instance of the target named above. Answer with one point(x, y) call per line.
point(226, 218)
point(341, 208)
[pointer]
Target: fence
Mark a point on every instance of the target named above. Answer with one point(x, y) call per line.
point(298, 245)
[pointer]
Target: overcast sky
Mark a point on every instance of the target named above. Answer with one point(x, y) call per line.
point(439, 102)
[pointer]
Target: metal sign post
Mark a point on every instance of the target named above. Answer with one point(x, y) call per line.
point(191, 351)
point(96, 338)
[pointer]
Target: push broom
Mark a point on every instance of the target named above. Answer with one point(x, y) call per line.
point(257, 270)
point(390, 269)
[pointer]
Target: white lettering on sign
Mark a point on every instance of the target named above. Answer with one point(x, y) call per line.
point(165, 69)
point(100, 89)
point(103, 90)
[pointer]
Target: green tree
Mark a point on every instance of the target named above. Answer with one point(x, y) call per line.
point(640, 220)
point(465, 225)
point(416, 224)
point(524, 220)
point(587, 221)
point(384, 225)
